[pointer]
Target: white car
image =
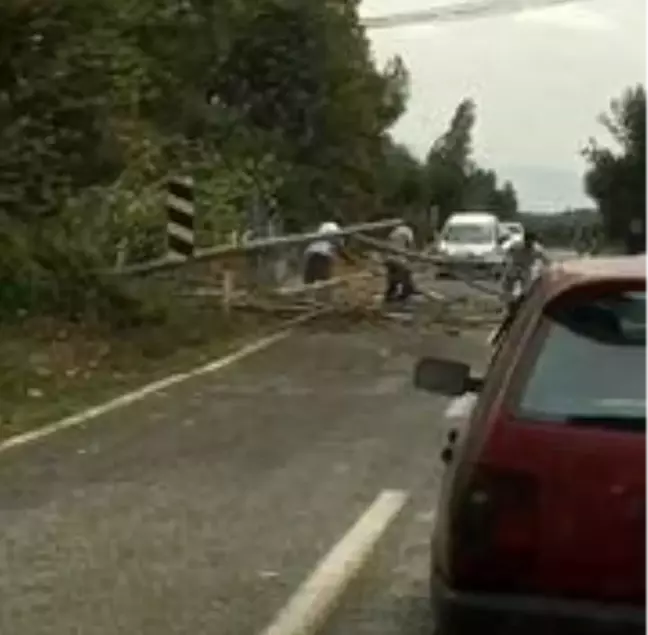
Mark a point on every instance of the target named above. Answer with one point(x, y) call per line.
point(470, 241)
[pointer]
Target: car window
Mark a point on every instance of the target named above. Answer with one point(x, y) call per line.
point(469, 234)
point(591, 369)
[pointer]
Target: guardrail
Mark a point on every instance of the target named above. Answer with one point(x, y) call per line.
point(230, 274)
point(230, 250)
point(227, 286)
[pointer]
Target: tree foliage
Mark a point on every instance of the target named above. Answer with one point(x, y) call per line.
point(88, 90)
point(483, 192)
point(400, 177)
point(616, 177)
point(565, 228)
point(271, 101)
point(277, 100)
point(300, 76)
point(455, 181)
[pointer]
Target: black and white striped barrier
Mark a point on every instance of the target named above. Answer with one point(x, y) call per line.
point(180, 218)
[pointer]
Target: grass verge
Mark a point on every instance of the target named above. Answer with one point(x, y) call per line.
point(50, 368)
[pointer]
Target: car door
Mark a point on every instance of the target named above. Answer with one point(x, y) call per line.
point(471, 429)
point(581, 407)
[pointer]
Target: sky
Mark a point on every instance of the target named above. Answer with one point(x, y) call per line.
point(540, 79)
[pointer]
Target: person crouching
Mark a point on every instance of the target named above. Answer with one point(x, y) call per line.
point(399, 284)
point(319, 256)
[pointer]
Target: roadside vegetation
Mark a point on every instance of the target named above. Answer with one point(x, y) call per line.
point(616, 176)
point(615, 180)
point(268, 104)
point(263, 102)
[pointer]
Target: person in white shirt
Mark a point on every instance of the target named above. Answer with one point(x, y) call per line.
point(524, 266)
point(400, 285)
point(319, 256)
point(524, 261)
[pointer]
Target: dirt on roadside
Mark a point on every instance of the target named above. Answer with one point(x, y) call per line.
point(50, 368)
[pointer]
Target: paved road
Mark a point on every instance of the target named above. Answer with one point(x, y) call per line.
point(391, 597)
point(201, 509)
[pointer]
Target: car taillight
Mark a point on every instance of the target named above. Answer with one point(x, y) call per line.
point(495, 530)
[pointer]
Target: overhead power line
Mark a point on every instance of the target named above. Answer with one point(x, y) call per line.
point(458, 11)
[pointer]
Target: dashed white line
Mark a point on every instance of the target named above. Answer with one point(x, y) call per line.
point(312, 603)
point(136, 395)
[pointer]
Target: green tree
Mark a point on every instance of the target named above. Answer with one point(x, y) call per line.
point(55, 109)
point(455, 146)
point(449, 161)
point(484, 193)
point(505, 201)
point(562, 228)
point(616, 178)
point(303, 73)
point(401, 177)
point(481, 188)
point(455, 182)
point(101, 101)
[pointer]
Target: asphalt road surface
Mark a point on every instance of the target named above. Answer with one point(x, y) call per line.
point(201, 509)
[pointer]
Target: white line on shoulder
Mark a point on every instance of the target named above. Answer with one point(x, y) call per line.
point(136, 395)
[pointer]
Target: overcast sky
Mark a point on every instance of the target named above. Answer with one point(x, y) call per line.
point(540, 78)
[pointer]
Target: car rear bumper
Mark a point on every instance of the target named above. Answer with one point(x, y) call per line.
point(472, 268)
point(459, 613)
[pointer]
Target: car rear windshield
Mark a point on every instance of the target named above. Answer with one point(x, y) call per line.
point(591, 369)
point(469, 234)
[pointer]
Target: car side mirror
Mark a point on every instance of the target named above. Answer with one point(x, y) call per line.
point(474, 384)
point(444, 377)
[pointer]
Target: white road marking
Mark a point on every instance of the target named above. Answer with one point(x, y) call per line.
point(312, 603)
point(461, 407)
point(155, 387)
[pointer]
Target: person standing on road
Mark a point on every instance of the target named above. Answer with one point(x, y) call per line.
point(399, 285)
point(523, 262)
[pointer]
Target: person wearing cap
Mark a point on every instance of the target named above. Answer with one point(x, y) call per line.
point(523, 262)
point(319, 256)
point(399, 284)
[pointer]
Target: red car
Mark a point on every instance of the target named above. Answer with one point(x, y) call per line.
point(541, 525)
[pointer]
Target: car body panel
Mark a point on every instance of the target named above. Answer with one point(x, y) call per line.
point(458, 613)
point(591, 545)
point(467, 253)
point(466, 249)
